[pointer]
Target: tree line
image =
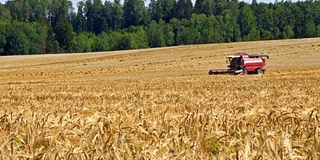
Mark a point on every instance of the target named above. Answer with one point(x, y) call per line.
point(53, 26)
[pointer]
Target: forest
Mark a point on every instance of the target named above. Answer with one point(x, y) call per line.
point(54, 26)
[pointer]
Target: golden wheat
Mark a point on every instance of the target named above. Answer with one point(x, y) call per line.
point(161, 109)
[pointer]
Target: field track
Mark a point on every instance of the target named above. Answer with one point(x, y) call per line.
point(161, 104)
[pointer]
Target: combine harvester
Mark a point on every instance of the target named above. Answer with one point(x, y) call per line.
point(242, 64)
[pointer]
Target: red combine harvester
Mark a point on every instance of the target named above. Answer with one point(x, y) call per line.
point(243, 63)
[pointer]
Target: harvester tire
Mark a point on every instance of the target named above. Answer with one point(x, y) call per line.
point(245, 71)
point(260, 71)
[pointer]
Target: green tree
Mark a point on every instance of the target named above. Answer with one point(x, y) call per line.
point(198, 21)
point(35, 10)
point(89, 15)
point(107, 17)
point(168, 33)
point(298, 26)
point(133, 38)
point(177, 30)
point(189, 34)
point(229, 28)
point(318, 30)
point(276, 33)
point(29, 10)
point(288, 32)
point(254, 35)
point(155, 35)
point(162, 9)
point(183, 9)
point(265, 17)
point(315, 7)
point(83, 42)
point(246, 19)
point(95, 19)
point(220, 6)
point(280, 18)
point(79, 22)
point(213, 31)
point(52, 45)
point(116, 37)
point(156, 10)
point(167, 7)
point(135, 13)
point(50, 26)
point(64, 35)
point(99, 22)
point(117, 16)
point(3, 36)
point(127, 42)
point(101, 42)
point(17, 42)
point(59, 10)
point(140, 36)
point(266, 35)
point(198, 6)
point(204, 7)
point(22, 38)
point(5, 14)
point(37, 35)
point(16, 8)
point(310, 28)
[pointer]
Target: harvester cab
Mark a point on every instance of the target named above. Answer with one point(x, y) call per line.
point(234, 62)
point(243, 63)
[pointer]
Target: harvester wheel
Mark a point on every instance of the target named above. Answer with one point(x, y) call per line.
point(245, 71)
point(260, 71)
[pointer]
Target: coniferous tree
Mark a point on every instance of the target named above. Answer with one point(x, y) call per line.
point(99, 22)
point(162, 9)
point(64, 35)
point(79, 22)
point(135, 13)
point(183, 9)
point(204, 7)
point(246, 19)
point(117, 15)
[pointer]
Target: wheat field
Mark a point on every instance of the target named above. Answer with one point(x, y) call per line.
point(161, 104)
